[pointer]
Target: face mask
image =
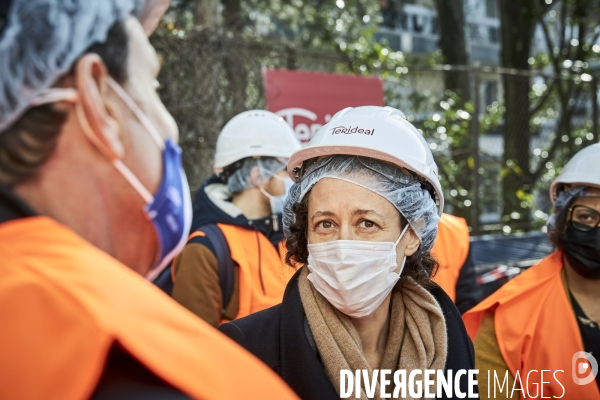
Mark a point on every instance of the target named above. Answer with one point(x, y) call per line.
point(170, 208)
point(277, 202)
point(354, 276)
point(582, 250)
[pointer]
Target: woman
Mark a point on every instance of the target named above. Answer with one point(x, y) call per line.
point(543, 318)
point(361, 218)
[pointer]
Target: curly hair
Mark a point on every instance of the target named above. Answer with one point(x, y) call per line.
point(421, 266)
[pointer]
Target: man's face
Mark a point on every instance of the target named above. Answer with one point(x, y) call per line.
point(142, 154)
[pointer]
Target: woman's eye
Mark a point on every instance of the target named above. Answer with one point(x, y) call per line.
point(368, 224)
point(326, 224)
point(584, 217)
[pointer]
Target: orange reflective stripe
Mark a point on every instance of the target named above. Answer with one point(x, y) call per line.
point(66, 303)
point(196, 234)
point(536, 328)
point(451, 249)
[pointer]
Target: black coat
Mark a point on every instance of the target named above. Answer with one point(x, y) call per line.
point(277, 336)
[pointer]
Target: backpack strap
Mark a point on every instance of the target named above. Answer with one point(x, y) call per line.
point(225, 262)
point(165, 280)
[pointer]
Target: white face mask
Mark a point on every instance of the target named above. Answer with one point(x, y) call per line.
point(277, 202)
point(355, 276)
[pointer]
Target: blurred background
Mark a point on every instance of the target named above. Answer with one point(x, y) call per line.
point(505, 92)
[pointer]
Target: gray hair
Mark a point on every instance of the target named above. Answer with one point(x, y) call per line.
point(240, 179)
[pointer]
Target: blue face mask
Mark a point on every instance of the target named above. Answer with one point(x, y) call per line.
point(170, 208)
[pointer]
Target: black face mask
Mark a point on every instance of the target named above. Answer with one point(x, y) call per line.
point(582, 250)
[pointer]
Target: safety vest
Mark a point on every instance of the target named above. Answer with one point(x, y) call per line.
point(64, 303)
point(451, 249)
point(536, 330)
point(263, 273)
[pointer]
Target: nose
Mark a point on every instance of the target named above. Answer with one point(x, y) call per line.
point(346, 232)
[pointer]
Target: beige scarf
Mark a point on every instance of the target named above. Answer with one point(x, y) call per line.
point(417, 337)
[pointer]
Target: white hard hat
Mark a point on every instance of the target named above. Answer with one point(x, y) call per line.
point(581, 170)
point(254, 133)
point(382, 133)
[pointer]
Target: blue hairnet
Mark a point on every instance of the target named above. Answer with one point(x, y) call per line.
point(411, 196)
point(267, 167)
point(42, 40)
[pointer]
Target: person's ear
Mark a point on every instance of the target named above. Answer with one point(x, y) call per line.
point(412, 242)
point(98, 106)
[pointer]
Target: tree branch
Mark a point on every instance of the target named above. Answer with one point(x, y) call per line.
point(553, 59)
point(563, 23)
point(542, 100)
point(535, 176)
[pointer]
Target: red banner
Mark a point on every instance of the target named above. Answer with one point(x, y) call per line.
point(307, 100)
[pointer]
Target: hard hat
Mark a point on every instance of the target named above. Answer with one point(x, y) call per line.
point(254, 133)
point(581, 170)
point(377, 132)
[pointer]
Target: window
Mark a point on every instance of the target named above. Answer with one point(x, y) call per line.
point(491, 8)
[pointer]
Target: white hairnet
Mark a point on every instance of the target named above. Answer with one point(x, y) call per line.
point(411, 196)
point(240, 180)
point(41, 41)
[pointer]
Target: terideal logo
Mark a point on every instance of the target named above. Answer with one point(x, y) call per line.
point(584, 368)
point(348, 130)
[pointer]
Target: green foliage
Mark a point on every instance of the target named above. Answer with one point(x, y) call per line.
point(368, 57)
point(445, 130)
point(345, 27)
point(316, 24)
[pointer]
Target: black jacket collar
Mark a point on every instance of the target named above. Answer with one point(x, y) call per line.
point(299, 363)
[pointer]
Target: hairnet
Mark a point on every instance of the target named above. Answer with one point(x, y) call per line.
point(42, 40)
point(240, 180)
point(410, 195)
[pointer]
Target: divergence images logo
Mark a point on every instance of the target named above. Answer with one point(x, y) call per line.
point(350, 130)
point(584, 363)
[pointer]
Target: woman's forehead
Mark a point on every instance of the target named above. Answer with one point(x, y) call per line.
point(339, 193)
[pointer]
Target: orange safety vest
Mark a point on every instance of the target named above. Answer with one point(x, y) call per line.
point(451, 249)
point(263, 273)
point(64, 303)
point(536, 330)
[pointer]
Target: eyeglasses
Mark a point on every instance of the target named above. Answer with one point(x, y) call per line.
point(584, 218)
